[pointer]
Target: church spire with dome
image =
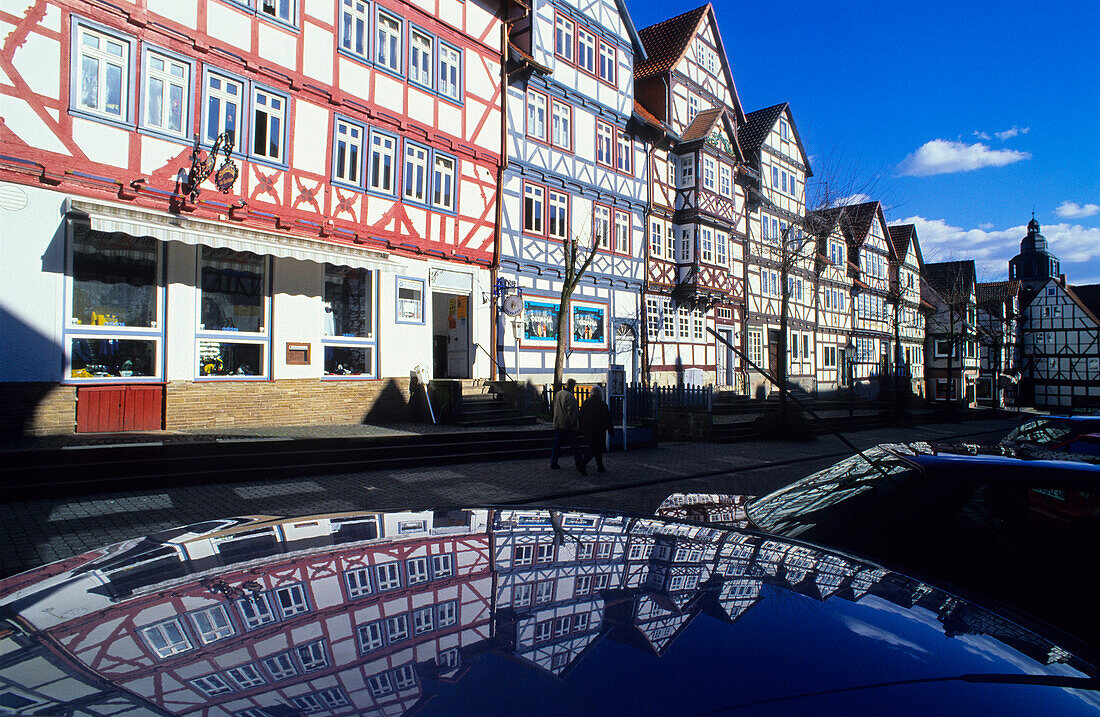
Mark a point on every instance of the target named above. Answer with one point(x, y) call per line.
point(1034, 265)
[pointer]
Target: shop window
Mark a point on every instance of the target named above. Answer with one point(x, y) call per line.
point(115, 304)
point(348, 321)
point(101, 74)
point(410, 301)
point(234, 310)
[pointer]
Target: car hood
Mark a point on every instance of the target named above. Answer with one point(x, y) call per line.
point(503, 611)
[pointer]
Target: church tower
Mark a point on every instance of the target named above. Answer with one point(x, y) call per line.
point(1034, 265)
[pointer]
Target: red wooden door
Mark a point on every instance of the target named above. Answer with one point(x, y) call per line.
point(111, 409)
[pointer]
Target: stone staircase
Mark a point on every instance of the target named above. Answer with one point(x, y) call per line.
point(483, 406)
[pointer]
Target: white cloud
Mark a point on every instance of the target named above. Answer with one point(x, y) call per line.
point(982, 135)
point(874, 632)
point(1010, 133)
point(858, 198)
point(942, 156)
point(1077, 247)
point(986, 225)
point(1072, 210)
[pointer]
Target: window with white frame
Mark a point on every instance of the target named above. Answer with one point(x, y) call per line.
point(656, 239)
point(685, 244)
point(563, 625)
point(697, 325)
point(348, 321)
point(234, 306)
point(622, 232)
point(212, 624)
point(583, 585)
point(523, 555)
point(521, 595)
point(448, 659)
point(586, 50)
point(721, 248)
point(450, 72)
point(404, 677)
point(211, 685)
point(544, 591)
point(586, 551)
point(710, 173)
point(544, 553)
point(416, 173)
point(601, 225)
point(355, 26)
point(246, 676)
point(561, 125)
point(558, 215)
point(684, 323)
point(706, 244)
point(167, 638)
point(693, 106)
point(167, 93)
point(388, 575)
point(416, 571)
point(307, 703)
point(421, 55)
point(725, 180)
point(536, 115)
point(544, 630)
point(291, 600)
point(605, 144)
point(347, 154)
point(357, 582)
point(533, 205)
point(608, 61)
point(624, 152)
point(101, 73)
point(255, 611)
point(443, 181)
point(442, 566)
point(670, 243)
point(313, 656)
point(446, 614)
point(670, 317)
point(423, 620)
point(563, 38)
point(687, 171)
point(601, 581)
point(756, 347)
point(383, 162)
point(397, 628)
point(279, 9)
point(388, 42)
point(269, 112)
point(652, 316)
point(280, 666)
point(380, 684)
point(370, 636)
point(224, 104)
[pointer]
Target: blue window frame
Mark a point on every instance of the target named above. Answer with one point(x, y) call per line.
point(416, 162)
point(410, 300)
point(388, 33)
point(382, 163)
point(234, 310)
point(421, 58)
point(223, 109)
point(166, 91)
point(270, 112)
point(355, 27)
point(449, 77)
point(101, 73)
point(348, 143)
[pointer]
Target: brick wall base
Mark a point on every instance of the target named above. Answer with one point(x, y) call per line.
point(37, 409)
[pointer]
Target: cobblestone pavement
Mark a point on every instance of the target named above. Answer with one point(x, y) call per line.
point(34, 532)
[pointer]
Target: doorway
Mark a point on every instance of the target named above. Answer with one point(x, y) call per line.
point(773, 351)
point(724, 357)
point(450, 335)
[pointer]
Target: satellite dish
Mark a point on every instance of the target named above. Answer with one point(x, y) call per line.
point(513, 305)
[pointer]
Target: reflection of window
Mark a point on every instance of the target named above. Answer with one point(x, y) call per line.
point(448, 658)
point(246, 676)
point(167, 638)
point(255, 611)
point(447, 613)
point(312, 656)
point(212, 624)
point(397, 628)
point(280, 666)
point(442, 566)
point(389, 576)
point(102, 68)
point(211, 685)
point(423, 620)
point(410, 301)
point(416, 570)
point(370, 636)
point(291, 600)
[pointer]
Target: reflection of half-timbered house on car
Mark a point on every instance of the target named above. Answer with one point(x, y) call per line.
point(575, 173)
point(314, 625)
point(552, 574)
point(834, 301)
point(1060, 346)
point(951, 357)
point(998, 355)
point(908, 319)
point(697, 214)
point(358, 150)
point(779, 247)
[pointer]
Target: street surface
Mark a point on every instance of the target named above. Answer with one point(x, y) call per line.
point(35, 532)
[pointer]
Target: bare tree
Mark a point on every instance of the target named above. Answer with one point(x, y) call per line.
point(576, 259)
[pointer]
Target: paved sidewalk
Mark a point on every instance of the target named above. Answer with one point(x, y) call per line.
point(39, 531)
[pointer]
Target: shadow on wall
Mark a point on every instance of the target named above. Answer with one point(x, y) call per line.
point(394, 405)
point(25, 350)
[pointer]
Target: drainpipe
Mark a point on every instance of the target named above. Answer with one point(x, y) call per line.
point(502, 163)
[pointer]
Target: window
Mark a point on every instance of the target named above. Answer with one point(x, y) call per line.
point(721, 248)
point(388, 575)
point(693, 106)
point(255, 611)
point(756, 347)
point(246, 676)
point(601, 225)
point(388, 44)
point(280, 666)
point(397, 628)
point(605, 144)
point(710, 172)
point(166, 93)
point(306, 703)
point(561, 127)
point(608, 61)
point(312, 656)
point(354, 26)
point(357, 582)
point(536, 115)
point(416, 173)
point(685, 245)
point(101, 83)
point(224, 100)
point(279, 9)
point(268, 124)
point(448, 658)
point(586, 551)
point(685, 322)
point(586, 50)
point(423, 620)
point(446, 614)
point(348, 321)
point(558, 225)
point(697, 326)
point(543, 631)
point(656, 241)
point(383, 162)
point(212, 624)
point(544, 591)
point(601, 581)
point(521, 596)
point(563, 625)
point(669, 327)
point(416, 571)
point(443, 182)
point(523, 555)
point(404, 677)
point(370, 636)
point(291, 600)
point(652, 317)
point(533, 197)
point(544, 553)
point(563, 38)
point(687, 172)
point(580, 622)
point(347, 155)
point(420, 58)
point(706, 244)
point(603, 551)
point(234, 301)
point(167, 638)
point(211, 685)
point(775, 177)
point(625, 147)
point(583, 585)
point(442, 566)
point(450, 72)
point(380, 684)
point(622, 232)
point(784, 130)
point(725, 181)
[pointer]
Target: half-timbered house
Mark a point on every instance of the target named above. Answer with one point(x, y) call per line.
point(1060, 346)
point(951, 351)
point(833, 310)
point(696, 218)
point(907, 319)
point(356, 146)
point(575, 174)
point(998, 351)
point(780, 257)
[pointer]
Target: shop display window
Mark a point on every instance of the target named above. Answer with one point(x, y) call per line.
point(348, 360)
point(348, 321)
point(112, 358)
point(114, 280)
point(221, 358)
point(234, 301)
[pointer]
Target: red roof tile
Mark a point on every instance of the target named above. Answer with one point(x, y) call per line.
point(666, 41)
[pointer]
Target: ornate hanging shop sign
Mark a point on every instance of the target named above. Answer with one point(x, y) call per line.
point(202, 167)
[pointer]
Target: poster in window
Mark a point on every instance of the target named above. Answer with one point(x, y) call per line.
point(410, 301)
point(540, 321)
point(588, 325)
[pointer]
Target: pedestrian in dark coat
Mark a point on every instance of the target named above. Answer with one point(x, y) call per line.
point(595, 422)
point(565, 414)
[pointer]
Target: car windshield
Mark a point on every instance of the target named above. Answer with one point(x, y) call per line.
point(1039, 432)
point(793, 510)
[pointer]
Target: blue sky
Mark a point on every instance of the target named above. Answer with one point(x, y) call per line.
point(963, 116)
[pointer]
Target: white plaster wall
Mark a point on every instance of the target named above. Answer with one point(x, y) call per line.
point(402, 346)
point(182, 318)
point(32, 260)
point(296, 294)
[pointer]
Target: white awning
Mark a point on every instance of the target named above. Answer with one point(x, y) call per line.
point(111, 217)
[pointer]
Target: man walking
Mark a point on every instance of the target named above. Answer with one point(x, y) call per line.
point(595, 422)
point(565, 414)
